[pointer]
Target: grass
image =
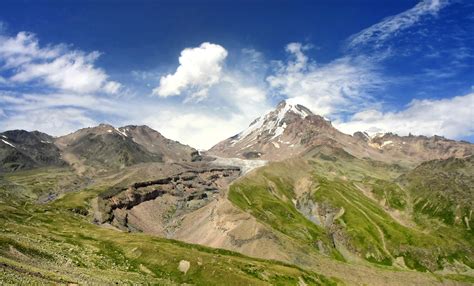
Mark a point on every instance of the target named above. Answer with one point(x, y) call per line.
point(367, 230)
point(54, 244)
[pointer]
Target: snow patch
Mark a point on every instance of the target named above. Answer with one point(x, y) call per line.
point(8, 143)
point(121, 133)
point(302, 113)
point(272, 122)
point(276, 145)
point(253, 126)
point(375, 135)
point(279, 130)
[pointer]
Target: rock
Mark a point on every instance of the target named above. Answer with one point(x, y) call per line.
point(183, 266)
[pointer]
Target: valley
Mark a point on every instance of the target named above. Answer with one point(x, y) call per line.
point(290, 201)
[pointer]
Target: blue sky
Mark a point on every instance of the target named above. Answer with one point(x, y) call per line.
point(201, 71)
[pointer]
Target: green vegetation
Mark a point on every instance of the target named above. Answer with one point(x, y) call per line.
point(372, 215)
point(443, 189)
point(389, 192)
point(39, 183)
point(56, 244)
point(327, 205)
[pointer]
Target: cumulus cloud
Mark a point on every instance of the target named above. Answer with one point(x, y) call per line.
point(391, 26)
point(451, 117)
point(340, 86)
point(230, 106)
point(199, 69)
point(55, 66)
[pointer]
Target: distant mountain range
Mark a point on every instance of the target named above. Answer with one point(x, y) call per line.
point(292, 130)
point(98, 148)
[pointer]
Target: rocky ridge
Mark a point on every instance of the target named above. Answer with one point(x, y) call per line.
point(292, 130)
point(22, 150)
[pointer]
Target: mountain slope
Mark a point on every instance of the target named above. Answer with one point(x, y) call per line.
point(55, 244)
point(104, 148)
point(320, 201)
point(20, 150)
point(154, 142)
point(443, 189)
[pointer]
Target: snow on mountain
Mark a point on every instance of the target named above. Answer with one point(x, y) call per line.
point(291, 130)
point(272, 123)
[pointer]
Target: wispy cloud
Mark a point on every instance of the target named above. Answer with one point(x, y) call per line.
point(70, 91)
point(391, 26)
point(343, 85)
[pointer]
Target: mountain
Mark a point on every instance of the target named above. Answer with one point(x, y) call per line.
point(292, 130)
point(20, 150)
point(282, 133)
point(360, 210)
point(154, 142)
point(416, 148)
point(103, 147)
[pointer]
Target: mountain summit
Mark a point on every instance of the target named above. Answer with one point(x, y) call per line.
point(278, 134)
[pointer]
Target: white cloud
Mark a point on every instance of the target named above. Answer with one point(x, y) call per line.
point(19, 103)
point(54, 66)
point(229, 107)
point(337, 87)
point(55, 113)
point(52, 121)
point(451, 117)
point(390, 26)
point(199, 129)
point(199, 69)
point(112, 87)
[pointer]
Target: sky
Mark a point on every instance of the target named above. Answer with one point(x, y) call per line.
point(202, 71)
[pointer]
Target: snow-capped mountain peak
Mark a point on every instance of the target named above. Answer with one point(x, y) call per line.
point(274, 122)
point(282, 132)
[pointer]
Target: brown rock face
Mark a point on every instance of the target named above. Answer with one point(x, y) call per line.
point(128, 208)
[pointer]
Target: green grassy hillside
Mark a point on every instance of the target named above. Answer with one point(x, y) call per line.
point(443, 190)
point(55, 243)
point(355, 210)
